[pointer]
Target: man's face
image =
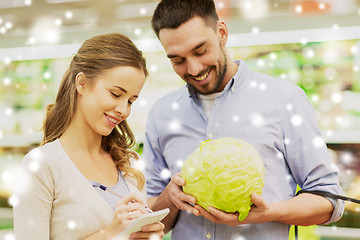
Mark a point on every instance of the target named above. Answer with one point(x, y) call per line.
point(197, 55)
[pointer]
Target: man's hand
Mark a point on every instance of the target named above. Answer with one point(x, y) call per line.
point(257, 213)
point(180, 199)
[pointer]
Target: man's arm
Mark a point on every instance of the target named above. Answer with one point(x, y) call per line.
point(302, 210)
point(175, 199)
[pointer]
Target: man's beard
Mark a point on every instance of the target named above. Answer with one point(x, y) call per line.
point(219, 78)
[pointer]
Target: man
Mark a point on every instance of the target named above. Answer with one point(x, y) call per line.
point(223, 98)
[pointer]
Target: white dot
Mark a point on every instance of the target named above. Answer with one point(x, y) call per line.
point(318, 142)
point(289, 107)
point(7, 81)
point(58, 22)
point(255, 30)
point(346, 157)
point(174, 126)
point(308, 52)
point(179, 163)
point(154, 237)
point(137, 31)
point(165, 173)
point(298, 9)
point(1, 134)
point(34, 166)
point(260, 62)
point(153, 68)
point(257, 120)
point(7, 176)
point(356, 68)
point(13, 200)
point(321, 6)
point(354, 50)
point(28, 2)
point(140, 164)
point(8, 25)
point(236, 118)
point(296, 120)
point(220, 5)
point(9, 111)
point(336, 97)
point(273, 56)
point(175, 105)
point(283, 76)
point(303, 41)
point(335, 27)
point(248, 5)
point(142, 11)
point(31, 40)
point(143, 102)
point(315, 98)
point(287, 141)
point(69, 14)
point(9, 236)
point(71, 224)
point(279, 155)
point(7, 60)
point(253, 84)
point(47, 75)
point(262, 86)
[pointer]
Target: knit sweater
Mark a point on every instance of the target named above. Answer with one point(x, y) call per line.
point(56, 201)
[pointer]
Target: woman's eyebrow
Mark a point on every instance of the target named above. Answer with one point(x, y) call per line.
point(122, 89)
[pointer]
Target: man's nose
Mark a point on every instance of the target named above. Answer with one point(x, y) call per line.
point(194, 67)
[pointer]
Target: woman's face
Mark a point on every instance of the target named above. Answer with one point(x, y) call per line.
point(106, 101)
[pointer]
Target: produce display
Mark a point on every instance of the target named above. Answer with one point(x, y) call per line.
point(223, 173)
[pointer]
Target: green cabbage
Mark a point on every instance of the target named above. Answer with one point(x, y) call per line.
point(223, 173)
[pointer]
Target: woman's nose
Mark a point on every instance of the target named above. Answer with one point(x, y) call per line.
point(122, 108)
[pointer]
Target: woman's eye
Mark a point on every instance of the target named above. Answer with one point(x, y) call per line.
point(115, 95)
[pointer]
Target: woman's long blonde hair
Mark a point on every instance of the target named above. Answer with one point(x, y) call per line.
point(97, 54)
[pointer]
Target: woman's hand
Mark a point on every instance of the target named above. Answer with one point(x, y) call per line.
point(127, 210)
point(151, 231)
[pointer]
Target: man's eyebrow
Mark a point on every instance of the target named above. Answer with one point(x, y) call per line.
point(198, 46)
point(193, 49)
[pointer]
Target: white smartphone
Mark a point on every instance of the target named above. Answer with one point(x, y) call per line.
point(145, 219)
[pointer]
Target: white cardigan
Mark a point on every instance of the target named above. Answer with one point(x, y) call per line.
point(55, 200)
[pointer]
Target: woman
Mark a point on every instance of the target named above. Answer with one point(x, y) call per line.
point(87, 144)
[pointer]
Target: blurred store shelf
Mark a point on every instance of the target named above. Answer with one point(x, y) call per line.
point(20, 140)
point(342, 136)
point(338, 233)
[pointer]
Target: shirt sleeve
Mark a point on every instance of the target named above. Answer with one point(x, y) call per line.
point(306, 151)
point(154, 160)
point(34, 193)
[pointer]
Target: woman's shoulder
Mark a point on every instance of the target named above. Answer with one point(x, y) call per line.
point(44, 152)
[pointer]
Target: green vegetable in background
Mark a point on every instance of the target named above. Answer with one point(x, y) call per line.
point(223, 173)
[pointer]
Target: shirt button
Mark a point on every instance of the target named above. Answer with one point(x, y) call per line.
point(208, 235)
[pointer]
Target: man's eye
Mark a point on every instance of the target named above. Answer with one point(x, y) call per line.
point(177, 60)
point(200, 52)
point(115, 95)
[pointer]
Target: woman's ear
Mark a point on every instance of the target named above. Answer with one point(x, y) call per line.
point(80, 81)
point(222, 31)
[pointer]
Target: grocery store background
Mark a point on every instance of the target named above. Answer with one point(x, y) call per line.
point(313, 43)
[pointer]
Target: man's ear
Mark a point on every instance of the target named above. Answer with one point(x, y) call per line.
point(81, 82)
point(223, 32)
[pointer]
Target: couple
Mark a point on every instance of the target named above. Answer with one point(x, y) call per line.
point(87, 141)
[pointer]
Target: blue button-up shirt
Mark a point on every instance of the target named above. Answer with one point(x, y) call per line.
point(273, 115)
